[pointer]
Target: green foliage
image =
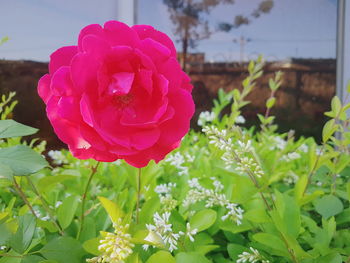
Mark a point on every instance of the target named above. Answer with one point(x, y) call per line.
point(226, 195)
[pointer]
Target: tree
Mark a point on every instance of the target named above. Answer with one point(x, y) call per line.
point(191, 23)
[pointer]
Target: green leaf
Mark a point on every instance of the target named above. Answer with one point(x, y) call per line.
point(63, 250)
point(300, 187)
point(32, 259)
point(291, 216)
point(66, 211)
point(348, 189)
point(328, 206)
point(336, 105)
point(331, 258)
point(133, 258)
point(203, 219)
point(234, 250)
point(22, 159)
point(91, 246)
point(257, 215)
point(113, 210)
point(191, 257)
point(6, 172)
point(270, 102)
point(21, 240)
point(328, 130)
point(11, 128)
point(271, 241)
point(161, 256)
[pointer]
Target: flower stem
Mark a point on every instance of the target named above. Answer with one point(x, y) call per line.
point(24, 198)
point(45, 206)
point(138, 195)
point(83, 198)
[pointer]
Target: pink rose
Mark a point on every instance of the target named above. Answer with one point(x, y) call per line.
point(119, 94)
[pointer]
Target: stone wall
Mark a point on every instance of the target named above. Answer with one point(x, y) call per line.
point(306, 91)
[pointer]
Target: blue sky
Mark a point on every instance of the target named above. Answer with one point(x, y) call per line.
point(294, 28)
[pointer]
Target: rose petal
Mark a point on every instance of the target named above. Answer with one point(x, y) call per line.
point(94, 29)
point(118, 33)
point(145, 31)
point(62, 57)
point(44, 88)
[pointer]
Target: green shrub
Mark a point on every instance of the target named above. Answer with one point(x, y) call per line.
point(229, 194)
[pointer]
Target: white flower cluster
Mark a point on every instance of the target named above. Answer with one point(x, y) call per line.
point(303, 148)
point(162, 232)
point(240, 119)
point(279, 143)
point(205, 117)
point(291, 156)
point(165, 196)
point(57, 157)
point(238, 154)
point(190, 233)
point(115, 247)
point(213, 197)
point(251, 257)
point(290, 178)
point(178, 160)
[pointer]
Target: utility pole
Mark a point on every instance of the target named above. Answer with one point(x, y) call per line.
point(242, 41)
point(127, 11)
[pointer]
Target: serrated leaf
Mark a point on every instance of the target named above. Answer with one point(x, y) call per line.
point(11, 128)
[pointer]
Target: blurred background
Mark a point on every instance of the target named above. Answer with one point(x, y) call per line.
point(215, 39)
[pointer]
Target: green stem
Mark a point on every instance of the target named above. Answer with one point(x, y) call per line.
point(45, 206)
point(83, 198)
point(138, 195)
point(24, 198)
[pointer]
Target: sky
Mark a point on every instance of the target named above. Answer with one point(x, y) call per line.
point(293, 28)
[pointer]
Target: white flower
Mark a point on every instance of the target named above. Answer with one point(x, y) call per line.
point(291, 178)
point(189, 232)
point(251, 257)
point(304, 148)
point(291, 156)
point(57, 157)
point(319, 151)
point(234, 212)
point(279, 143)
point(205, 117)
point(194, 183)
point(213, 197)
point(115, 247)
point(164, 188)
point(117, 162)
point(178, 161)
point(161, 231)
point(240, 120)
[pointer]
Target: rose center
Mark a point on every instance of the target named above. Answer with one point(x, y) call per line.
point(119, 88)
